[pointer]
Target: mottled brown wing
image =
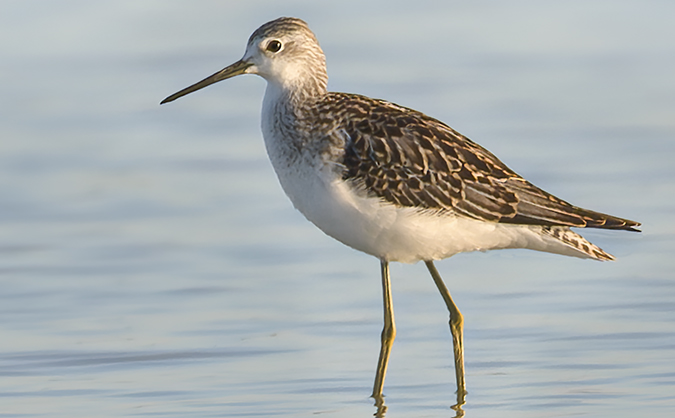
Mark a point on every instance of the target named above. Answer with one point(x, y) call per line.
point(410, 159)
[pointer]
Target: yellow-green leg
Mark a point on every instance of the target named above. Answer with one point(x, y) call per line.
point(457, 331)
point(388, 335)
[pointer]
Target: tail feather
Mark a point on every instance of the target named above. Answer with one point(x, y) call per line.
point(575, 241)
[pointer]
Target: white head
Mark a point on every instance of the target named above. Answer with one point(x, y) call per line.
point(284, 52)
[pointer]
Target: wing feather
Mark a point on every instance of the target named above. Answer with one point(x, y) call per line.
point(409, 159)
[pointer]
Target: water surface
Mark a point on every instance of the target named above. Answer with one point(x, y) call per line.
point(151, 265)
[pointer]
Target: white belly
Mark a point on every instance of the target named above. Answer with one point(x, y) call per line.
point(387, 231)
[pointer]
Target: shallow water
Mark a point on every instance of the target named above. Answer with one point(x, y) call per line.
point(151, 265)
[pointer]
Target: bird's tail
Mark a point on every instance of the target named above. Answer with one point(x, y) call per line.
point(576, 242)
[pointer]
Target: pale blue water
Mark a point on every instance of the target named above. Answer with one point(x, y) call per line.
point(151, 265)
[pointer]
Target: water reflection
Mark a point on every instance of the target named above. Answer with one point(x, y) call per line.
point(381, 407)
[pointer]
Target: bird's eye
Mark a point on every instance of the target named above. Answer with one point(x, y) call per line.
point(274, 46)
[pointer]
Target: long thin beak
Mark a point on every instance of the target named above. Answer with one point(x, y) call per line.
point(237, 68)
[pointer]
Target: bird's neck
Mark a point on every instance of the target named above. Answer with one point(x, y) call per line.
point(296, 91)
point(288, 98)
point(285, 107)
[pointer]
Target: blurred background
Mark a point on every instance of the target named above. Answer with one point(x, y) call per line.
point(151, 265)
